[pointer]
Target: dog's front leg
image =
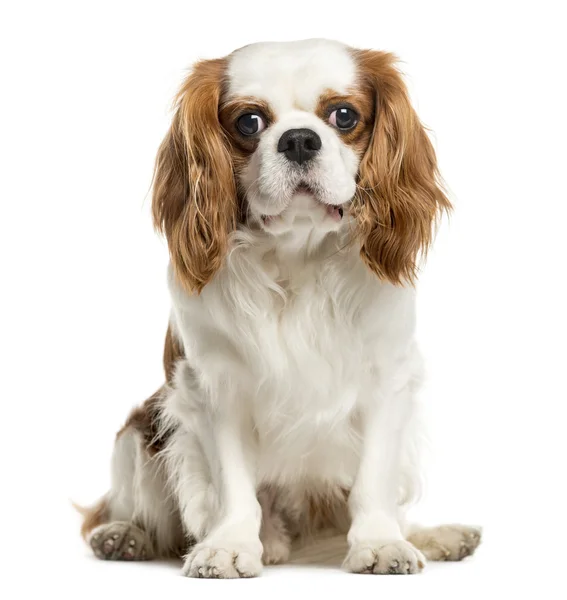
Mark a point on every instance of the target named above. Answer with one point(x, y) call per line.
point(232, 547)
point(376, 543)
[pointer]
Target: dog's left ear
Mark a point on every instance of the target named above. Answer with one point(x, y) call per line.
point(399, 195)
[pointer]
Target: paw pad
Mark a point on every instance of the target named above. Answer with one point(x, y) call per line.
point(121, 541)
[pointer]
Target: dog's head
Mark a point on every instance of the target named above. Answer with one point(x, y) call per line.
point(309, 134)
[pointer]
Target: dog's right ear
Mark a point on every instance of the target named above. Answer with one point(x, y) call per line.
point(194, 193)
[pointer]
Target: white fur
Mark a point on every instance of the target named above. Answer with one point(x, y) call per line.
point(303, 373)
point(300, 71)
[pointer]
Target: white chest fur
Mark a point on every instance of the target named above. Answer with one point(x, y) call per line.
point(300, 348)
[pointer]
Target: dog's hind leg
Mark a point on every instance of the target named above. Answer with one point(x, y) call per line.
point(137, 519)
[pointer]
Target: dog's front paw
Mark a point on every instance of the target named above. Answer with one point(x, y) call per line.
point(398, 557)
point(223, 562)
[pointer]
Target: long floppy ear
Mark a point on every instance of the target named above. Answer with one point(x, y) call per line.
point(399, 195)
point(194, 193)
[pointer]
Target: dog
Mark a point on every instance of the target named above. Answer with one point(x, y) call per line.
point(298, 192)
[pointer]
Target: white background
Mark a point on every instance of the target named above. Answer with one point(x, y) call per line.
point(86, 93)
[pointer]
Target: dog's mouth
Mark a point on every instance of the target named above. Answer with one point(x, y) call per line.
point(334, 211)
point(306, 190)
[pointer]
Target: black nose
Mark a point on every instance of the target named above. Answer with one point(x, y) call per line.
point(299, 145)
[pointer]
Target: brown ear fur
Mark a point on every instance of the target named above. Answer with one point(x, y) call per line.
point(399, 195)
point(194, 194)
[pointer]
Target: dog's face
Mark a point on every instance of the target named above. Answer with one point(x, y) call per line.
point(309, 135)
point(296, 115)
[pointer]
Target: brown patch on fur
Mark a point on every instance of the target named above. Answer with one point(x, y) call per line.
point(172, 352)
point(399, 195)
point(145, 419)
point(358, 100)
point(194, 196)
point(93, 517)
point(229, 113)
point(328, 510)
point(242, 146)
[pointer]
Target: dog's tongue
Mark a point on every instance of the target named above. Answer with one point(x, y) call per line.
point(335, 212)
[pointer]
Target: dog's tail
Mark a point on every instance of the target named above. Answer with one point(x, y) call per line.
point(93, 516)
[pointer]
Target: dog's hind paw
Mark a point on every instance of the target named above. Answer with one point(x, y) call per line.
point(447, 542)
point(120, 540)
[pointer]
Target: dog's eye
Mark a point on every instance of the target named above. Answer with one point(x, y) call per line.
point(250, 124)
point(343, 118)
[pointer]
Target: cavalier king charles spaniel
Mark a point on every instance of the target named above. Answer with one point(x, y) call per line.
point(297, 190)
